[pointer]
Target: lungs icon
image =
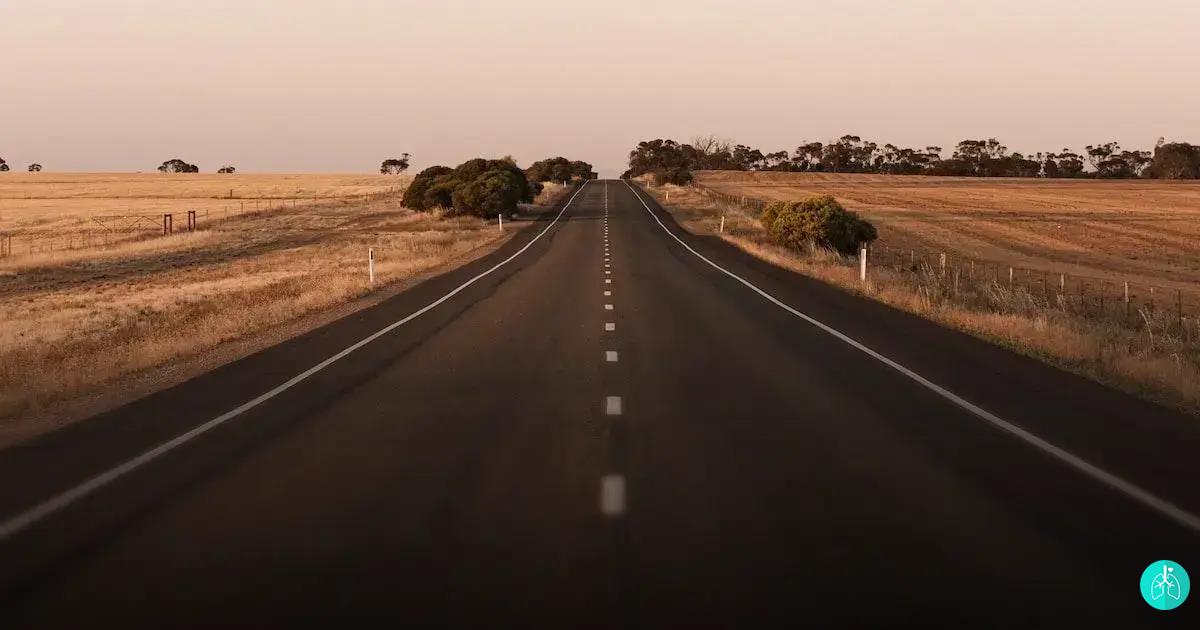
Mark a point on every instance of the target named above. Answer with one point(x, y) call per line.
point(1166, 585)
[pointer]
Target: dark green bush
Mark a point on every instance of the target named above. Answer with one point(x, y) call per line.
point(414, 196)
point(559, 169)
point(817, 220)
point(679, 176)
point(440, 193)
point(479, 187)
point(495, 192)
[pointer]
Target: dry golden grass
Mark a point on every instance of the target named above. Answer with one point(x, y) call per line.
point(45, 212)
point(1143, 231)
point(79, 323)
point(1157, 358)
point(551, 193)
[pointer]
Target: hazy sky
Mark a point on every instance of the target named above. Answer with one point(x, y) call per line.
point(302, 85)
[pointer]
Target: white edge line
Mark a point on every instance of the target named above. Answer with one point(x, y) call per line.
point(56, 503)
point(1162, 506)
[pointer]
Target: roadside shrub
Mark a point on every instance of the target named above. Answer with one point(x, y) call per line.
point(816, 220)
point(440, 193)
point(414, 195)
point(679, 176)
point(479, 187)
point(494, 192)
point(768, 214)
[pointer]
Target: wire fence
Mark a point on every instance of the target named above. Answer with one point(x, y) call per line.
point(108, 230)
point(1130, 303)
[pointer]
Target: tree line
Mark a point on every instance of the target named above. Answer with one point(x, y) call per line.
point(669, 161)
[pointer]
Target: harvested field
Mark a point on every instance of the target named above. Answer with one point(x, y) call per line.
point(87, 328)
point(1142, 231)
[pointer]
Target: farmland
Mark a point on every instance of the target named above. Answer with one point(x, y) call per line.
point(1040, 266)
point(1146, 232)
point(91, 313)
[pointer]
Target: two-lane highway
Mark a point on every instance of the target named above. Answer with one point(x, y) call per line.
point(609, 422)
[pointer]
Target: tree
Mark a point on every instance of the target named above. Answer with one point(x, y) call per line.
point(480, 187)
point(1097, 154)
point(395, 166)
point(559, 169)
point(227, 170)
point(777, 161)
point(176, 165)
point(1064, 164)
point(807, 157)
point(414, 195)
point(677, 175)
point(1175, 160)
point(850, 154)
point(35, 168)
point(3, 166)
point(1110, 161)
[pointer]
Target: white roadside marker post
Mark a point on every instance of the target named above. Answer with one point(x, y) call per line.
point(722, 230)
point(500, 221)
point(862, 262)
point(371, 265)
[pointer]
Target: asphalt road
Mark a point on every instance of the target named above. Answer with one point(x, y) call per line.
point(609, 429)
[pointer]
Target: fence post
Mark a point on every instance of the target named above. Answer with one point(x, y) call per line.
point(1126, 300)
point(1179, 306)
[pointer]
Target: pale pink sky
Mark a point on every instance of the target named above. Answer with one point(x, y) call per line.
point(301, 85)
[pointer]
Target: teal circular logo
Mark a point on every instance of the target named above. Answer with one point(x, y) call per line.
point(1165, 584)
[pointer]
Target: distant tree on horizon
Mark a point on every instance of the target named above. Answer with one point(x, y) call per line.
point(3, 165)
point(395, 166)
point(35, 167)
point(227, 170)
point(176, 165)
point(1175, 160)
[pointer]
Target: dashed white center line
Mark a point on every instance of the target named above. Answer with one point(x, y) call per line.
point(607, 293)
point(608, 307)
point(610, 326)
point(612, 495)
point(608, 281)
point(612, 405)
point(610, 356)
